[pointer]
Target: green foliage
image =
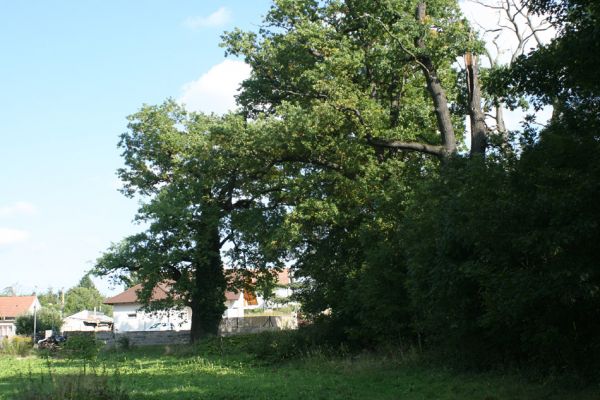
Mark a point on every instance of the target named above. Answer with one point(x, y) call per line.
point(199, 177)
point(490, 259)
point(275, 347)
point(16, 346)
point(327, 78)
point(8, 291)
point(83, 347)
point(50, 299)
point(124, 343)
point(565, 72)
point(193, 372)
point(82, 298)
point(86, 282)
point(510, 273)
point(47, 318)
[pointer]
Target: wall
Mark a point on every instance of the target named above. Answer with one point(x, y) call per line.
point(229, 327)
point(235, 308)
point(145, 338)
point(7, 329)
point(236, 326)
point(128, 317)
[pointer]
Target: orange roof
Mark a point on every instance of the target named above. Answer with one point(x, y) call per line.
point(160, 292)
point(14, 306)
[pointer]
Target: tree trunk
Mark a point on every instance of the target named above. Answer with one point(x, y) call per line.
point(436, 91)
point(208, 292)
point(477, 117)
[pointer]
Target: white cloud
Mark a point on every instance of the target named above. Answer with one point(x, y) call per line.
point(215, 90)
point(216, 19)
point(18, 208)
point(11, 236)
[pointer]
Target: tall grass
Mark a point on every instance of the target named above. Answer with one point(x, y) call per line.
point(16, 346)
point(82, 386)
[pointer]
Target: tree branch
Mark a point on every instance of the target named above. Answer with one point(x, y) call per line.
point(438, 151)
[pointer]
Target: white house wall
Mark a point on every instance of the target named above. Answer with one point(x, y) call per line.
point(130, 317)
point(75, 325)
point(235, 308)
point(7, 329)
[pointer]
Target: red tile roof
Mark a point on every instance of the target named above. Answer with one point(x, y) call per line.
point(232, 296)
point(11, 307)
point(160, 292)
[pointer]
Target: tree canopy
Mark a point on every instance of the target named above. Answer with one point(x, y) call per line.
point(201, 182)
point(346, 158)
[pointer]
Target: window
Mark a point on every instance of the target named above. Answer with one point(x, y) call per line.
point(132, 315)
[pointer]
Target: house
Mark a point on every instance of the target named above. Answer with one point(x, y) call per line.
point(12, 307)
point(87, 321)
point(129, 315)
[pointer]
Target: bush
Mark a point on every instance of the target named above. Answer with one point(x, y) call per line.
point(16, 346)
point(281, 346)
point(508, 274)
point(83, 347)
point(124, 343)
point(46, 319)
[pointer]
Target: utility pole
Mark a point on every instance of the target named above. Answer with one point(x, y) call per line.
point(62, 302)
point(34, 316)
point(34, 322)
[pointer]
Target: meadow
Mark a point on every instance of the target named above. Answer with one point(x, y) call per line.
point(223, 369)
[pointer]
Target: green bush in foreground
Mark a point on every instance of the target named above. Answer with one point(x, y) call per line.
point(45, 319)
point(16, 346)
point(273, 347)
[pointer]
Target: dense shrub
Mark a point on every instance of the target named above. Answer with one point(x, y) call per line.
point(269, 346)
point(309, 341)
point(16, 346)
point(46, 319)
point(508, 273)
point(124, 343)
point(83, 347)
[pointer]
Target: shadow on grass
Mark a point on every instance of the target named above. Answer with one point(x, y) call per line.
point(168, 373)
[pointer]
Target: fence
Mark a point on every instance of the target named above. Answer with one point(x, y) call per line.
point(228, 327)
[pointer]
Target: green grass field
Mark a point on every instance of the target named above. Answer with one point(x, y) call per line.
point(210, 372)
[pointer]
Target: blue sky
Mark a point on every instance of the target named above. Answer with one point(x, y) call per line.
point(71, 72)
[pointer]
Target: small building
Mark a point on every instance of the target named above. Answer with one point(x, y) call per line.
point(128, 313)
point(12, 307)
point(87, 321)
